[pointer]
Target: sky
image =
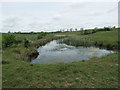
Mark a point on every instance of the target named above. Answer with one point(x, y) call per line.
point(53, 16)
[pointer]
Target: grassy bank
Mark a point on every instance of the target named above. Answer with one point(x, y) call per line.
point(103, 39)
point(98, 72)
point(27, 51)
point(94, 73)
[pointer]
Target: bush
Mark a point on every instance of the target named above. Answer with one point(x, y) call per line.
point(100, 44)
point(106, 29)
point(8, 40)
point(26, 43)
point(96, 43)
point(5, 62)
point(41, 35)
point(94, 31)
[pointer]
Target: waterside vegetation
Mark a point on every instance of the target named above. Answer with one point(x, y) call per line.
point(19, 49)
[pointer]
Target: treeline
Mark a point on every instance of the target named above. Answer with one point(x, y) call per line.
point(86, 32)
point(26, 32)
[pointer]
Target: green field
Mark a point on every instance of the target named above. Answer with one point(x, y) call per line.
point(18, 72)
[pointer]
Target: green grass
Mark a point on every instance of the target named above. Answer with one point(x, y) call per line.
point(94, 73)
point(97, 73)
point(108, 37)
point(104, 39)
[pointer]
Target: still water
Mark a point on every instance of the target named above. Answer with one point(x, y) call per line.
point(54, 52)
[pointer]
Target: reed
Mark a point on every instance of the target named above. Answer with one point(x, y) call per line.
point(88, 43)
point(77, 42)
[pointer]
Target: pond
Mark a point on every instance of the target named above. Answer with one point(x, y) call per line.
point(55, 52)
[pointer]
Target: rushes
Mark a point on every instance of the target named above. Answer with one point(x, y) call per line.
point(88, 43)
point(77, 42)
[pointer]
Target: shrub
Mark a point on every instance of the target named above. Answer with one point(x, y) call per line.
point(106, 29)
point(108, 46)
point(41, 35)
point(96, 43)
point(5, 62)
point(8, 40)
point(94, 31)
point(101, 44)
point(26, 43)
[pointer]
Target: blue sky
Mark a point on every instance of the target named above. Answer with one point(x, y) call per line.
point(53, 16)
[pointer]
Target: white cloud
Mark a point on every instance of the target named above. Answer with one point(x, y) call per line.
point(76, 15)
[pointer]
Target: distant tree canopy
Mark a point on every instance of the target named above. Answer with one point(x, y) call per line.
point(71, 29)
point(85, 32)
point(75, 29)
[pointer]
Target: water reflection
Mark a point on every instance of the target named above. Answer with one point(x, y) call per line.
point(54, 52)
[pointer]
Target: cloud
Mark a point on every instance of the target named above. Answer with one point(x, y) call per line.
point(72, 15)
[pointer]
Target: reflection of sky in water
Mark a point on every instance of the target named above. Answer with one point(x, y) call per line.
point(54, 53)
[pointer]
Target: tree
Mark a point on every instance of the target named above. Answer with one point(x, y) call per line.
point(95, 28)
point(67, 30)
point(75, 29)
point(113, 26)
point(9, 32)
point(81, 28)
point(71, 29)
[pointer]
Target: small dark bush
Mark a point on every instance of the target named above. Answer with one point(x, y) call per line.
point(106, 29)
point(108, 46)
point(101, 44)
point(26, 43)
point(96, 43)
point(5, 62)
point(31, 64)
point(83, 60)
